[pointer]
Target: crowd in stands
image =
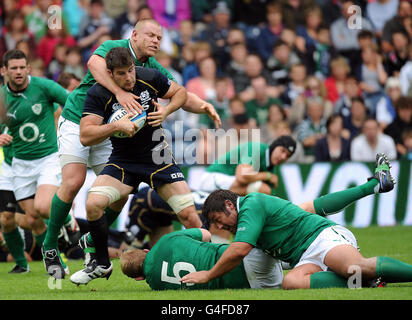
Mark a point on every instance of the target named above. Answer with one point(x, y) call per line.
point(335, 74)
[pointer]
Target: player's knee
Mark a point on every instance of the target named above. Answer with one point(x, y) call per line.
point(43, 209)
point(71, 185)
point(94, 209)
point(7, 221)
point(291, 281)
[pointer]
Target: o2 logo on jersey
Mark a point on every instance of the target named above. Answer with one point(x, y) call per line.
point(355, 19)
point(36, 108)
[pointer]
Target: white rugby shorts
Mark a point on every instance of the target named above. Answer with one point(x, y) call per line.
point(72, 151)
point(28, 175)
point(328, 239)
point(6, 175)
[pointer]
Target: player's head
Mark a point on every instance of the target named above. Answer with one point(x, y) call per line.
point(120, 65)
point(16, 69)
point(131, 263)
point(281, 150)
point(220, 209)
point(146, 37)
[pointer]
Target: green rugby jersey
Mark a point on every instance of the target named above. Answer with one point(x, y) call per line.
point(179, 253)
point(30, 118)
point(253, 153)
point(74, 106)
point(277, 226)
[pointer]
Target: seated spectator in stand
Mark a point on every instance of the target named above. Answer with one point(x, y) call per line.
point(166, 61)
point(366, 39)
point(354, 122)
point(395, 59)
point(294, 11)
point(397, 23)
point(350, 90)
point(322, 53)
point(407, 142)
point(333, 147)
point(335, 84)
point(58, 62)
point(280, 62)
point(310, 130)
point(296, 86)
point(24, 46)
point(74, 63)
point(127, 19)
point(402, 122)
point(372, 77)
point(345, 36)
point(184, 35)
point(92, 26)
point(200, 51)
point(379, 12)
point(405, 74)
point(276, 115)
point(15, 30)
point(235, 69)
point(258, 107)
point(370, 142)
point(69, 81)
point(220, 102)
point(385, 108)
point(313, 87)
point(45, 48)
point(37, 20)
point(170, 13)
point(270, 33)
point(309, 30)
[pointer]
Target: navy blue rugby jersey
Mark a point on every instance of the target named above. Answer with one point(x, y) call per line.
point(150, 84)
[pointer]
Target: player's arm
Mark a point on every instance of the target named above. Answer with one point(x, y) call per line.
point(194, 104)
point(245, 174)
point(177, 95)
point(97, 67)
point(231, 258)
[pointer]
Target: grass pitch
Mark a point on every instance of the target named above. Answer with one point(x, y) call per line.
point(394, 242)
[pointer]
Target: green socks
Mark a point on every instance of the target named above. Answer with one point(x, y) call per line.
point(392, 270)
point(111, 217)
point(40, 238)
point(15, 244)
point(59, 216)
point(337, 201)
point(327, 279)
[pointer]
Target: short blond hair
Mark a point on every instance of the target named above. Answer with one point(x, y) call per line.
point(131, 263)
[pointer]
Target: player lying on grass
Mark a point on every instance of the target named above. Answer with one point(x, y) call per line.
point(190, 250)
point(136, 157)
point(322, 253)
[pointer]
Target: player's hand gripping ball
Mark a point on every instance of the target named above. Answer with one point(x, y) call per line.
point(138, 119)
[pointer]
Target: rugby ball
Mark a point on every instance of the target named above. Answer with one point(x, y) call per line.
point(138, 119)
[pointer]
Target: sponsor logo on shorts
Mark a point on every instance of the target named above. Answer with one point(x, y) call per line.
point(177, 175)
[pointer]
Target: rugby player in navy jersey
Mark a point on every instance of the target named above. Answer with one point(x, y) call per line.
point(139, 157)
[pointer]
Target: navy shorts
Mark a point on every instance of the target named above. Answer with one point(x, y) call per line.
point(8, 202)
point(132, 174)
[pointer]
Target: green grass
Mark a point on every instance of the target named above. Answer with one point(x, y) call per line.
point(395, 242)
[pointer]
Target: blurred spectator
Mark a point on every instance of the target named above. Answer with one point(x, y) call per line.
point(204, 84)
point(344, 36)
point(216, 34)
point(45, 48)
point(249, 13)
point(37, 20)
point(169, 13)
point(185, 35)
point(365, 146)
point(396, 58)
point(7, 8)
point(402, 122)
point(92, 26)
point(59, 60)
point(322, 53)
point(127, 20)
point(280, 62)
point(15, 31)
point(270, 32)
point(258, 107)
point(166, 61)
point(24, 46)
point(104, 37)
point(68, 81)
point(114, 8)
point(335, 84)
point(331, 11)
point(74, 63)
point(366, 39)
point(354, 121)
point(310, 130)
point(296, 86)
point(405, 74)
point(37, 68)
point(372, 77)
point(333, 147)
point(294, 12)
point(379, 12)
point(276, 115)
point(220, 102)
point(385, 108)
point(350, 90)
point(236, 66)
point(407, 142)
point(200, 51)
point(185, 59)
point(399, 23)
point(74, 11)
point(309, 30)
point(313, 87)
